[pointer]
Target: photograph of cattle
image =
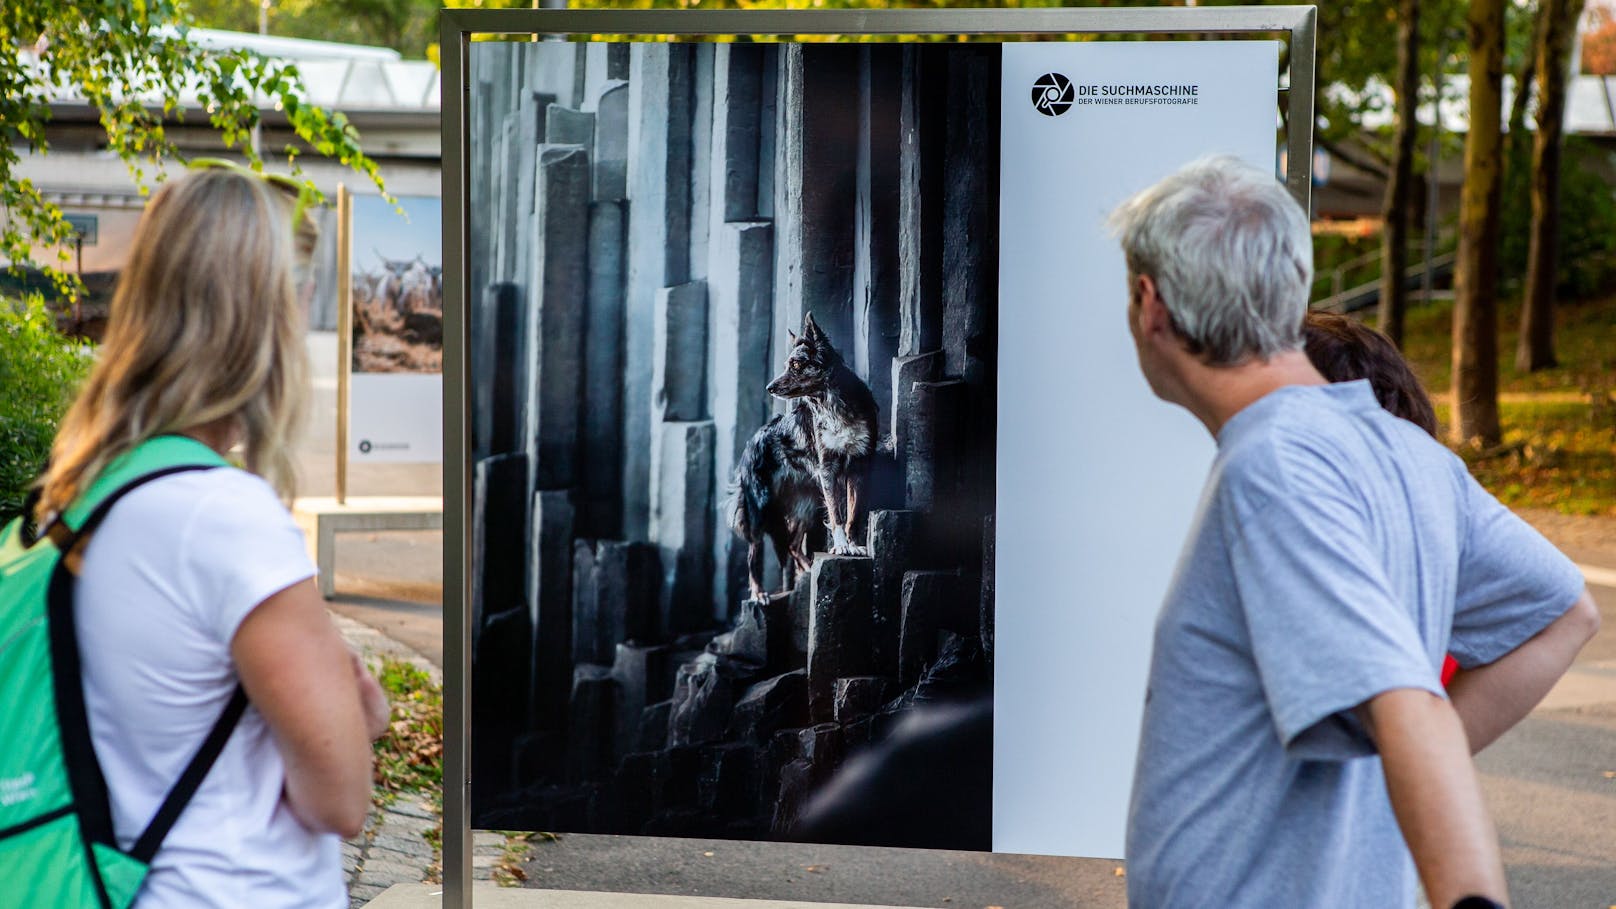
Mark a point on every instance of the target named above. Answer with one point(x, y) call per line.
point(733, 331)
point(397, 287)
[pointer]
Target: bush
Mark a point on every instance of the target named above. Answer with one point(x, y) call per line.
point(39, 372)
point(1587, 254)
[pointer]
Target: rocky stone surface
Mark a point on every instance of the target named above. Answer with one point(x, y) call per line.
point(648, 222)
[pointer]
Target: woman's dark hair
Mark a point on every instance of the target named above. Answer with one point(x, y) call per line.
point(1344, 349)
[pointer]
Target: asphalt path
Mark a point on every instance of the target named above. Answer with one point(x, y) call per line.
point(841, 874)
point(1551, 783)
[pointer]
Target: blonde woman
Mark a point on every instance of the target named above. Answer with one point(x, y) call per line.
point(198, 580)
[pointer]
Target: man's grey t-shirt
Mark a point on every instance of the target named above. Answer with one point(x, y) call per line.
point(1334, 550)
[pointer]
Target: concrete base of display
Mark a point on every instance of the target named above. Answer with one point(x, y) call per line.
point(423, 896)
point(367, 514)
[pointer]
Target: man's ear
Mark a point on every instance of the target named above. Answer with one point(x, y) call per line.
point(1153, 316)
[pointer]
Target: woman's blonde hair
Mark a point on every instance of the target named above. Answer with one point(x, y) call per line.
point(205, 325)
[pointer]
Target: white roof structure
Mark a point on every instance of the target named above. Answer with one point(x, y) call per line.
point(288, 48)
point(1591, 106)
point(347, 77)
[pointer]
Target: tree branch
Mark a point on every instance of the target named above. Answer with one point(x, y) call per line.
point(1354, 158)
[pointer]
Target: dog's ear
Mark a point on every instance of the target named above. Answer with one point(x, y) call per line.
point(793, 337)
point(810, 328)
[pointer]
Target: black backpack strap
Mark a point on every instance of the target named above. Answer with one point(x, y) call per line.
point(178, 797)
point(84, 775)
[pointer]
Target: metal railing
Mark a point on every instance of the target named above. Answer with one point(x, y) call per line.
point(1361, 274)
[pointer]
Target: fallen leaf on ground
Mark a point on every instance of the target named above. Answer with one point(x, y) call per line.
point(1121, 872)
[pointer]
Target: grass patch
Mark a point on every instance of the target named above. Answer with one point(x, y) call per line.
point(1558, 451)
point(516, 850)
point(409, 755)
point(1584, 341)
point(1554, 455)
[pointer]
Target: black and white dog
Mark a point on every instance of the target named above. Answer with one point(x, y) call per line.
point(806, 468)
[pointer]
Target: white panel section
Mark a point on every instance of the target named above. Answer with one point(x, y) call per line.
point(1097, 479)
point(395, 417)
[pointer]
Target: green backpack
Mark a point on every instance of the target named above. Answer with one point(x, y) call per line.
point(56, 836)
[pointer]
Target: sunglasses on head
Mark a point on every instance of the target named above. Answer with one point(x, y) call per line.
point(302, 191)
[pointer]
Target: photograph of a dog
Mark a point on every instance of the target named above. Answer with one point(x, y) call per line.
point(804, 470)
point(733, 337)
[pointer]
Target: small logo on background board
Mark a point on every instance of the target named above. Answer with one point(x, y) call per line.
point(1052, 94)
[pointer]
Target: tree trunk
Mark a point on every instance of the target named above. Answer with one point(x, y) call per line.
point(1475, 280)
point(1536, 348)
point(1395, 212)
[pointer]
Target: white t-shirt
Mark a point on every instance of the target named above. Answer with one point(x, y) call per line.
point(166, 581)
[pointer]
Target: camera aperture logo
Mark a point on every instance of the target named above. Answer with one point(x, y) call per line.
point(1052, 94)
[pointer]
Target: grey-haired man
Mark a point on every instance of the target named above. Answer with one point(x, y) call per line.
point(1294, 720)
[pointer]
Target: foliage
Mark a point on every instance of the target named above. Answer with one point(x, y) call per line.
point(1357, 61)
point(401, 24)
point(1587, 261)
point(407, 26)
point(1599, 43)
point(39, 370)
point(409, 756)
point(410, 26)
point(132, 62)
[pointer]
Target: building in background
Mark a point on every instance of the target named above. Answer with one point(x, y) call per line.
point(392, 102)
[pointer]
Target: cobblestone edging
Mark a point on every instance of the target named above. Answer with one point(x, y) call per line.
point(392, 849)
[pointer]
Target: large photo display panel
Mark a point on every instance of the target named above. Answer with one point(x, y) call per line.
point(397, 331)
point(732, 375)
point(767, 423)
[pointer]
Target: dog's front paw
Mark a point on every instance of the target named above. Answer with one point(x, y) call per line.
point(850, 549)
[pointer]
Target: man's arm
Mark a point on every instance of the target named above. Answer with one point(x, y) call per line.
point(1435, 794)
point(1491, 699)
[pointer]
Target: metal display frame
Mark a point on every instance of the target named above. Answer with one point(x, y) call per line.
point(456, 27)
